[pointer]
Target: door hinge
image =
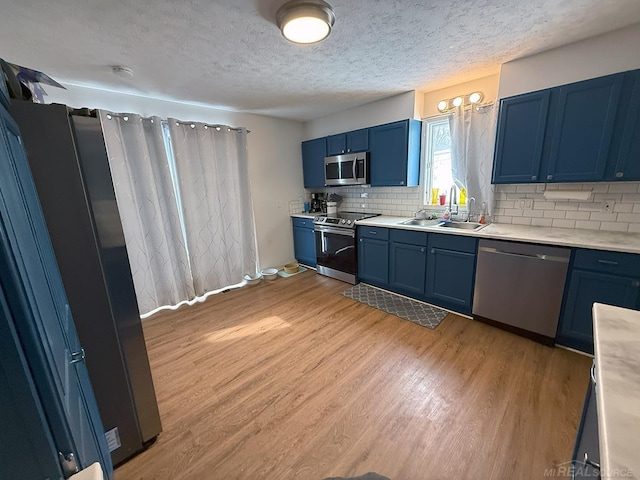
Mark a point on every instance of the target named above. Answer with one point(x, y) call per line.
point(68, 464)
point(78, 356)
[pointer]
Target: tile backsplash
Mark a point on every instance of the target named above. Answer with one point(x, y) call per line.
point(623, 198)
point(517, 204)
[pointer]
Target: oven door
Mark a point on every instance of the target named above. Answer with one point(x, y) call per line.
point(336, 252)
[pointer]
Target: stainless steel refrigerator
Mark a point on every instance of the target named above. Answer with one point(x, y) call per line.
point(69, 163)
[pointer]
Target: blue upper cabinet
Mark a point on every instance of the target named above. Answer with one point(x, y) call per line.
point(313, 153)
point(571, 133)
point(355, 141)
point(4, 91)
point(395, 153)
point(627, 160)
point(520, 136)
point(583, 129)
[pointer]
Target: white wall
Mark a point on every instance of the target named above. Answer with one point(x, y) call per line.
point(274, 153)
point(612, 52)
point(487, 85)
point(391, 109)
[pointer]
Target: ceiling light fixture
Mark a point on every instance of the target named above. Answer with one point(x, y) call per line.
point(122, 71)
point(305, 21)
point(449, 104)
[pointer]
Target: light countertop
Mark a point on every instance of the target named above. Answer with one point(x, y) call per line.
point(305, 215)
point(569, 237)
point(617, 353)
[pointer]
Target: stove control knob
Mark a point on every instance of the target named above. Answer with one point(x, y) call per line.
point(315, 219)
point(343, 221)
point(348, 222)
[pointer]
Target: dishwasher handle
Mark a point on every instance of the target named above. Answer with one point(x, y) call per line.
point(539, 256)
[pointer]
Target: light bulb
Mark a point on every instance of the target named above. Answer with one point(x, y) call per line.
point(457, 101)
point(442, 105)
point(475, 97)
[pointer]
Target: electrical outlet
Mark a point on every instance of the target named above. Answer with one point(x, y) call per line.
point(528, 203)
point(521, 204)
point(607, 206)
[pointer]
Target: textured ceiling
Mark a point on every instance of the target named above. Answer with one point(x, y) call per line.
point(230, 53)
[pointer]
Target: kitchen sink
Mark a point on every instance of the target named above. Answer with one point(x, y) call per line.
point(422, 223)
point(463, 225)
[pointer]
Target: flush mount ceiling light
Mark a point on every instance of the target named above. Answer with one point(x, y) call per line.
point(305, 21)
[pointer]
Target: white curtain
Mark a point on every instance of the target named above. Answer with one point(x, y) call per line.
point(148, 209)
point(212, 169)
point(473, 133)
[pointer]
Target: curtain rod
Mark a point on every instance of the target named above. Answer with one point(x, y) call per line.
point(125, 117)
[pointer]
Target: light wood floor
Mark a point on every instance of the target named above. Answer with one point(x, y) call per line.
point(291, 380)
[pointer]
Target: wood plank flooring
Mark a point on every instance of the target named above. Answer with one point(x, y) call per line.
point(291, 380)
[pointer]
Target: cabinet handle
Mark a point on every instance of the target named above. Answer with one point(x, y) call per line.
point(433, 251)
point(589, 462)
point(607, 262)
point(348, 150)
point(635, 283)
point(402, 182)
point(373, 233)
point(549, 177)
point(534, 177)
point(593, 371)
point(361, 240)
point(422, 250)
point(619, 174)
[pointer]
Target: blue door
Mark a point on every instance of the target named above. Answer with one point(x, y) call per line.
point(37, 300)
point(521, 129)
point(313, 153)
point(373, 261)
point(583, 130)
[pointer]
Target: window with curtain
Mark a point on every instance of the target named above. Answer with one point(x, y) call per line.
point(185, 204)
point(438, 176)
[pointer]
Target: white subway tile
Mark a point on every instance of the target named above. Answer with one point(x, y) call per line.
point(541, 205)
point(603, 216)
point(505, 219)
point(508, 188)
point(531, 188)
point(625, 207)
point(554, 214)
point(552, 186)
point(567, 206)
point(589, 207)
point(577, 215)
point(513, 212)
point(521, 221)
point(601, 197)
point(623, 188)
point(596, 187)
point(636, 208)
point(634, 227)
point(629, 217)
point(614, 226)
point(541, 222)
point(559, 222)
point(588, 224)
point(515, 196)
point(631, 198)
point(507, 204)
point(533, 213)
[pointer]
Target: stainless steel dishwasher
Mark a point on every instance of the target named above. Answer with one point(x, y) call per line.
point(520, 285)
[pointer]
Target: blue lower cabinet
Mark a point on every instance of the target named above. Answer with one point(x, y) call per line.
point(407, 262)
point(373, 261)
point(451, 267)
point(585, 289)
point(304, 242)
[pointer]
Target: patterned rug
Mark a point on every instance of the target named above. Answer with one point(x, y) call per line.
point(412, 310)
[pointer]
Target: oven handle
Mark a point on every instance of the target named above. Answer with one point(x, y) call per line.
point(347, 232)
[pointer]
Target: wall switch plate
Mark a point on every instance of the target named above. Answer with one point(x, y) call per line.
point(607, 205)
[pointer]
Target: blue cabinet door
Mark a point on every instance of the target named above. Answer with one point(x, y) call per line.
point(37, 299)
point(373, 261)
point(395, 153)
point(627, 162)
point(357, 140)
point(583, 128)
point(304, 243)
point(336, 144)
point(313, 153)
point(450, 278)
point(586, 288)
point(520, 136)
point(407, 268)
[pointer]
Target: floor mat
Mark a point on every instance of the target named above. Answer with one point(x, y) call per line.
point(412, 310)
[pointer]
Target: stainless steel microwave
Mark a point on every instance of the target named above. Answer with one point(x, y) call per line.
point(347, 169)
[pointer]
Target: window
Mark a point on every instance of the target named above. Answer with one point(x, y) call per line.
point(437, 154)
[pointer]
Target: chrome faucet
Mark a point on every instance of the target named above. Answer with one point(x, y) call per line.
point(452, 193)
point(470, 212)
